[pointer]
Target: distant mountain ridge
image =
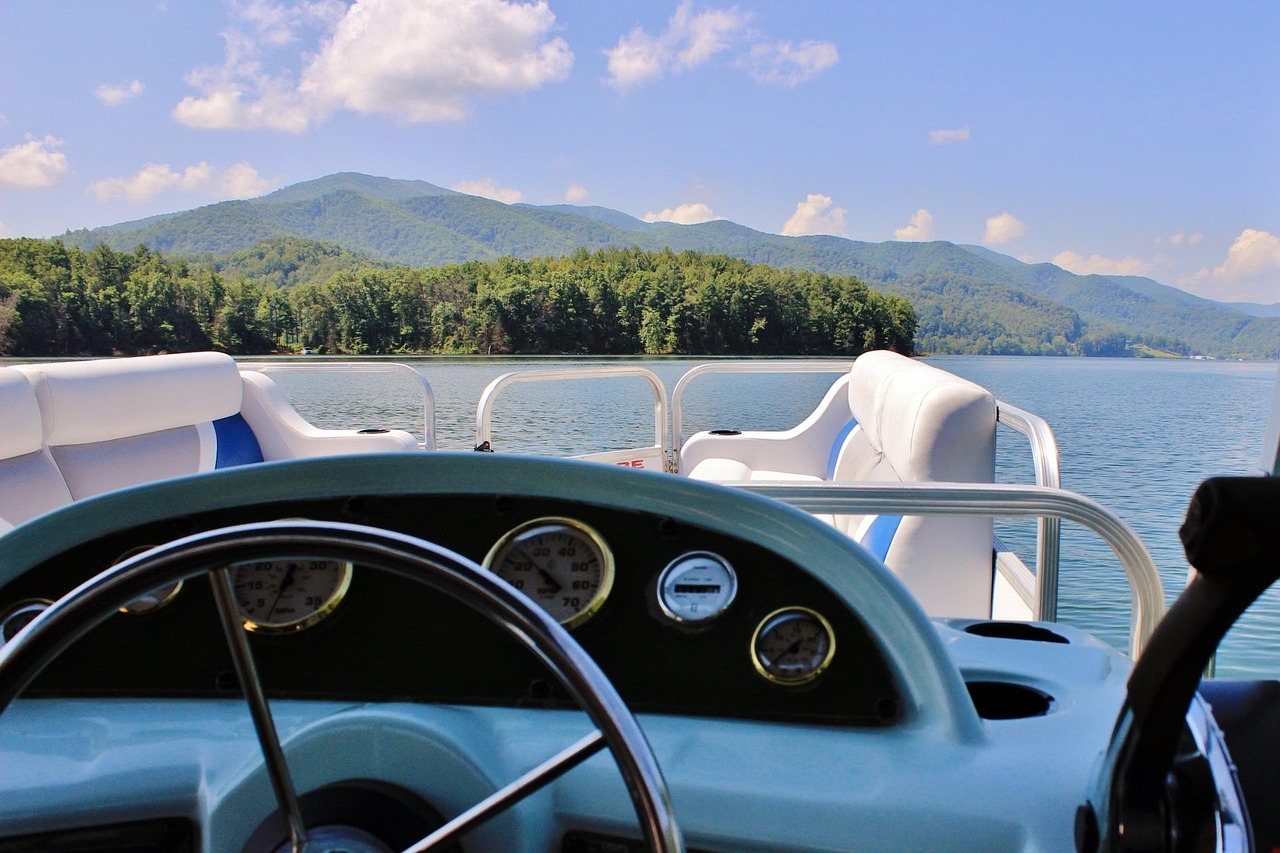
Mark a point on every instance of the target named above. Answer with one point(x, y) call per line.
point(968, 298)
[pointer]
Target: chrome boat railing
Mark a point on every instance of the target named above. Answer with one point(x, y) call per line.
point(416, 379)
point(997, 501)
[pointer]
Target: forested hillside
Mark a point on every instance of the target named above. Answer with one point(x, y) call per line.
point(969, 299)
point(57, 300)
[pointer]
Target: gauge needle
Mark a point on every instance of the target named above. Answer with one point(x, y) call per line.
point(285, 583)
point(549, 580)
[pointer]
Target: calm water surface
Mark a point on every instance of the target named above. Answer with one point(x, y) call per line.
point(1137, 435)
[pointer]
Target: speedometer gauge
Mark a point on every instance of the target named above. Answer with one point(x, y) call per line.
point(793, 646)
point(562, 564)
point(279, 596)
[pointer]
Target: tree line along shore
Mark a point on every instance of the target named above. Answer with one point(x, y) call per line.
point(57, 300)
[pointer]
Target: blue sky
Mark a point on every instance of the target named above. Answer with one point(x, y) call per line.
point(1132, 137)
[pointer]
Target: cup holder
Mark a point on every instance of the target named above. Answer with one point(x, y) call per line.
point(373, 431)
point(726, 432)
point(1001, 700)
point(1015, 631)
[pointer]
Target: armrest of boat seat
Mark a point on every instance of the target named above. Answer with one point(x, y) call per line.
point(803, 450)
point(284, 434)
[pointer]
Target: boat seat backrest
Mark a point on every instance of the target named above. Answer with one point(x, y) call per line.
point(891, 419)
point(119, 422)
point(925, 425)
point(30, 482)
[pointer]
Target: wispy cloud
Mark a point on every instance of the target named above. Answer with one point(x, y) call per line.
point(576, 194)
point(1003, 228)
point(489, 189)
point(688, 41)
point(948, 137)
point(114, 96)
point(815, 215)
point(34, 164)
point(1250, 272)
point(1100, 265)
point(790, 65)
point(413, 60)
point(691, 39)
point(919, 227)
point(240, 180)
point(683, 214)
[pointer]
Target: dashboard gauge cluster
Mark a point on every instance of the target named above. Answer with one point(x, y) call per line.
point(561, 563)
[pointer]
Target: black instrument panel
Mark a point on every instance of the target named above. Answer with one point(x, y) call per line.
point(391, 639)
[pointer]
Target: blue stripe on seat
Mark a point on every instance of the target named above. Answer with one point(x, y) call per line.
point(237, 445)
point(879, 535)
point(837, 445)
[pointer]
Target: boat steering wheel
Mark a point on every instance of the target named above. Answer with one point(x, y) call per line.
point(210, 553)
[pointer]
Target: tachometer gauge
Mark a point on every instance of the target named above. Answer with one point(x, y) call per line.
point(279, 596)
point(560, 563)
point(696, 587)
point(793, 646)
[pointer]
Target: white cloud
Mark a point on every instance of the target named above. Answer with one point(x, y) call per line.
point(576, 194)
point(788, 64)
point(1099, 265)
point(4, 230)
point(683, 214)
point(238, 181)
point(489, 189)
point(688, 42)
point(1183, 238)
point(946, 137)
point(1003, 228)
point(920, 227)
point(415, 60)
point(33, 164)
point(114, 96)
point(813, 217)
point(1251, 271)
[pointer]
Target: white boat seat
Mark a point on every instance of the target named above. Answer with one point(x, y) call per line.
point(110, 424)
point(890, 419)
point(31, 482)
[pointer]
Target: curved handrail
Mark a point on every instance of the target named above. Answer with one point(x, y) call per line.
point(677, 395)
point(1044, 456)
point(484, 408)
point(983, 499)
point(424, 387)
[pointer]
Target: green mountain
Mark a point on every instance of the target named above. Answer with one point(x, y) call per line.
point(968, 298)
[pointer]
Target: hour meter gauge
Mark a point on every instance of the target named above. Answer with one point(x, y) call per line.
point(696, 587)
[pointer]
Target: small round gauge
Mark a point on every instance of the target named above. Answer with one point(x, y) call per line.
point(793, 646)
point(19, 616)
point(278, 596)
point(155, 599)
point(560, 563)
point(696, 587)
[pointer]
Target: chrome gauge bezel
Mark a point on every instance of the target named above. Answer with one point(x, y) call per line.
point(558, 525)
point(29, 608)
point(690, 612)
point(151, 601)
point(314, 612)
point(775, 621)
